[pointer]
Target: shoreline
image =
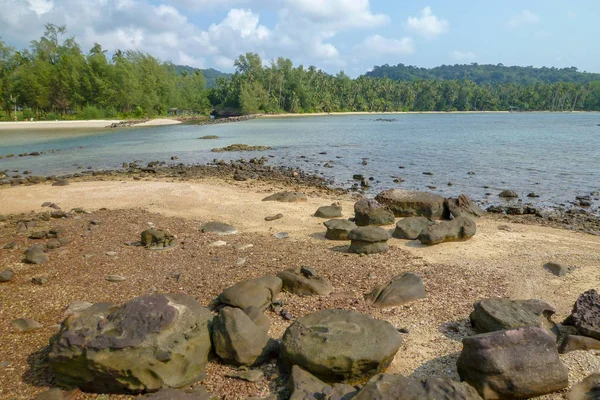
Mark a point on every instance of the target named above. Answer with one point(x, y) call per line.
point(83, 124)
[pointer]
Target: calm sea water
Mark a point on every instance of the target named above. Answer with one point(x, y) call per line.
point(556, 156)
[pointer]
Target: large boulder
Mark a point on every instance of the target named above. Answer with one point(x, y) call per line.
point(410, 228)
point(258, 292)
point(304, 386)
point(462, 206)
point(338, 229)
point(498, 314)
point(460, 228)
point(328, 212)
point(586, 314)
point(148, 343)
point(287, 197)
point(393, 387)
point(369, 240)
point(513, 364)
point(401, 290)
point(238, 340)
point(576, 342)
point(587, 389)
point(370, 212)
point(405, 203)
point(303, 282)
point(340, 345)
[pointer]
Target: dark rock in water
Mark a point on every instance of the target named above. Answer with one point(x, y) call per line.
point(148, 343)
point(401, 290)
point(6, 275)
point(410, 228)
point(296, 282)
point(329, 212)
point(338, 229)
point(241, 147)
point(587, 389)
point(508, 194)
point(392, 387)
point(532, 195)
point(287, 197)
point(358, 177)
point(404, 203)
point(35, 255)
point(496, 209)
point(240, 177)
point(576, 342)
point(368, 240)
point(178, 394)
point(586, 314)
point(515, 210)
point(25, 325)
point(557, 268)
point(514, 364)
point(219, 228)
point(157, 239)
point(460, 228)
point(463, 206)
point(258, 292)
point(61, 183)
point(304, 386)
point(340, 345)
point(238, 340)
point(498, 314)
point(273, 217)
point(370, 212)
point(208, 137)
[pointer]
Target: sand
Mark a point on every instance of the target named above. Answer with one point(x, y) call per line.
point(91, 124)
point(503, 262)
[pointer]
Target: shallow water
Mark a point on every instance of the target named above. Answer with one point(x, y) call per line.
point(553, 155)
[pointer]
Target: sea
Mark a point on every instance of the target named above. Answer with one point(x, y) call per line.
point(554, 155)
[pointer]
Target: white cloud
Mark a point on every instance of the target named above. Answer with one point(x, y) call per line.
point(338, 14)
point(525, 17)
point(428, 25)
point(377, 45)
point(40, 7)
point(207, 4)
point(463, 56)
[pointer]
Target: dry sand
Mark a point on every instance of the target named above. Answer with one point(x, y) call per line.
point(29, 125)
point(494, 263)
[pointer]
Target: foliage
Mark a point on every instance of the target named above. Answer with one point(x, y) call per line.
point(210, 75)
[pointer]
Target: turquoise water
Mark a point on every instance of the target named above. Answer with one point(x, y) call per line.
point(555, 155)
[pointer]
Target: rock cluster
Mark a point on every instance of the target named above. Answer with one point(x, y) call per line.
point(368, 240)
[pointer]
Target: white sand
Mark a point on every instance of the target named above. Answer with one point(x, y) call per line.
point(90, 124)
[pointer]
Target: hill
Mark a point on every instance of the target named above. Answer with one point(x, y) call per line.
point(211, 75)
point(484, 74)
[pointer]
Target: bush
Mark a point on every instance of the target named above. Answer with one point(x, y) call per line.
point(90, 112)
point(138, 112)
point(52, 116)
point(28, 114)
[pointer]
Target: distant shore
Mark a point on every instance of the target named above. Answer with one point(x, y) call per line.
point(88, 124)
point(288, 115)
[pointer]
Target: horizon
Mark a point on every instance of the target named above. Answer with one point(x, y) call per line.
point(332, 35)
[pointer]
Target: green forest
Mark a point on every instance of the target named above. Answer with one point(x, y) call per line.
point(55, 79)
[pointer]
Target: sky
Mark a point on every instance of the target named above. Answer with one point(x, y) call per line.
point(334, 35)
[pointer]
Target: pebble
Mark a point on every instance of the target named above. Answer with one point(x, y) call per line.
point(111, 253)
point(282, 235)
point(274, 217)
point(240, 262)
point(219, 243)
point(6, 275)
point(38, 280)
point(115, 278)
point(241, 247)
point(286, 315)
point(26, 325)
point(252, 375)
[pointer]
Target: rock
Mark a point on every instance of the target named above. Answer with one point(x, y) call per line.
point(218, 228)
point(515, 210)
point(59, 214)
point(25, 325)
point(273, 217)
point(111, 253)
point(38, 235)
point(148, 343)
point(218, 243)
point(370, 212)
point(368, 240)
point(53, 244)
point(39, 280)
point(287, 197)
point(61, 183)
point(157, 239)
point(508, 194)
point(295, 282)
point(242, 247)
point(240, 176)
point(338, 229)
point(498, 314)
point(76, 307)
point(514, 364)
point(238, 340)
point(329, 212)
point(251, 375)
point(56, 232)
point(304, 386)
point(6, 275)
point(51, 394)
point(410, 228)
point(462, 206)
point(175, 394)
point(557, 269)
point(10, 246)
point(400, 290)
point(393, 387)
point(240, 147)
point(587, 389)
point(460, 228)
point(532, 195)
point(586, 314)
point(115, 278)
point(340, 345)
point(576, 342)
point(258, 317)
point(404, 203)
point(282, 235)
point(35, 255)
point(258, 292)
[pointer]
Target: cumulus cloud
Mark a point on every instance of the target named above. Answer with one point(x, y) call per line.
point(40, 7)
point(377, 45)
point(463, 56)
point(338, 14)
point(525, 17)
point(427, 25)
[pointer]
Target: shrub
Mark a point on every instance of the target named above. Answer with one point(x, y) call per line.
point(90, 112)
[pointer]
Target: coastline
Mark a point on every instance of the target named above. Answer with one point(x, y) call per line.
point(323, 114)
point(84, 124)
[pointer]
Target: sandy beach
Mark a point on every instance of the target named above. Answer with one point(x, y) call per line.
point(91, 124)
point(502, 260)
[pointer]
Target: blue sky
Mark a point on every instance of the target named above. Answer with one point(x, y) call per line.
point(349, 35)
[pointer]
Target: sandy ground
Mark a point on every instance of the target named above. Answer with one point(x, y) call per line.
point(159, 122)
point(28, 125)
point(503, 262)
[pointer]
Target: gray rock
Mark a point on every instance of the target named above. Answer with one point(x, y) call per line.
point(282, 235)
point(39, 280)
point(304, 386)
point(35, 255)
point(76, 307)
point(340, 345)
point(401, 290)
point(238, 340)
point(460, 228)
point(410, 228)
point(404, 203)
point(175, 394)
point(514, 364)
point(148, 343)
point(258, 317)
point(585, 315)
point(38, 235)
point(587, 389)
point(329, 212)
point(59, 214)
point(338, 229)
point(53, 244)
point(273, 217)
point(219, 228)
point(498, 314)
point(557, 269)
point(576, 342)
point(115, 278)
point(462, 206)
point(56, 232)
point(508, 194)
point(295, 282)
point(370, 212)
point(51, 394)
point(287, 197)
point(26, 325)
point(368, 240)
point(251, 375)
point(6, 275)
point(157, 239)
point(258, 292)
point(61, 183)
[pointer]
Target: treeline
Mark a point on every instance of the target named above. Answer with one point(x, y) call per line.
point(53, 79)
point(211, 75)
point(484, 74)
point(281, 87)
